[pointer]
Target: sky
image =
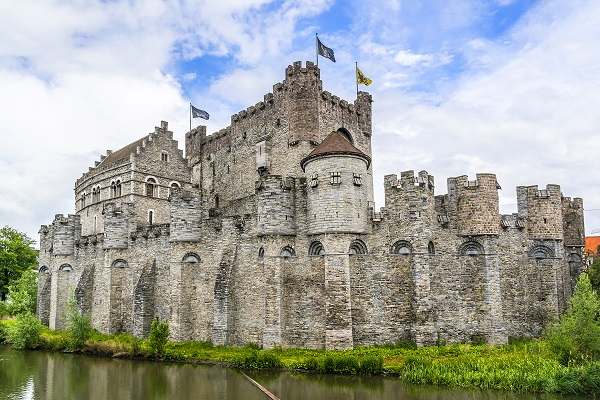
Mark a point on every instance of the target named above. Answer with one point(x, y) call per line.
point(460, 87)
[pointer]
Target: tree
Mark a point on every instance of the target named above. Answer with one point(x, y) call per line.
point(576, 336)
point(16, 256)
point(22, 293)
point(594, 273)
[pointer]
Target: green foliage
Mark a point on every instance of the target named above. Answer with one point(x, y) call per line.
point(594, 273)
point(576, 337)
point(3, 309)
point(158, 337)
point(24, 333)
point(340, 363)
point(259, 359)
point(16, 256)
point(22, 293)
point(79, 326)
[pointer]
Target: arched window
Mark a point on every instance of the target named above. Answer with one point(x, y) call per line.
point(261, 253)
point(402, 247)
point(66, 268)
point(471, 248)
point(173, 185)
point(119, 263)
point(151, 187)
point(540, 251)
point(83, 199)
point(216, 201)
point(346, 134)
point(191, 258)
point(431, 248)
point(96, 194)
point(357, 247)
point(316, 249)
point(118, 188)
point(44, 270)
point(287, 252)
point(150, 217)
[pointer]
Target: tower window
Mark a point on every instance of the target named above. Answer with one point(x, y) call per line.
point(357, 178)
point(336, 178)
point(164, 157)
point(151, 187)
point(314, 180)
point(150, 217)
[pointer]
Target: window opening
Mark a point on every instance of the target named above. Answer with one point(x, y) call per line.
point(151, 187)
point(336, 178)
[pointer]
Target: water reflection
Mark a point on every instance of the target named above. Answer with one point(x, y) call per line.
point(42, 375)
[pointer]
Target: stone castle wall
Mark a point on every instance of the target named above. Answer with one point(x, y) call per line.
point(249, 248)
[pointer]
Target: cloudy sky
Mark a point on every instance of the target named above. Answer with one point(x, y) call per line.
point(510, 87)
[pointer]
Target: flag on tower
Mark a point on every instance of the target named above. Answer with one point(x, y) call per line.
point(361, 79)
point(325, 51)
point(198, 113)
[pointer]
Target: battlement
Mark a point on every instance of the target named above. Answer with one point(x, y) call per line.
point(296, 69)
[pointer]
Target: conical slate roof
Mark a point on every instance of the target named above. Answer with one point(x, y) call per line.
point(335, 143)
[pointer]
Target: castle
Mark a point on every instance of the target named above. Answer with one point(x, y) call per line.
point(266, 232)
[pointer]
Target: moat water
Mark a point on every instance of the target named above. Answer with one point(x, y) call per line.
point(44, 375)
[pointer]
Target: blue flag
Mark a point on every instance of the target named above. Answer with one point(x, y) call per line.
point(197, 113)
point(325, 51)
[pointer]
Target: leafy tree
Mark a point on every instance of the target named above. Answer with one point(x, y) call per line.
point(80, 327)
point(22, 293)
point(16, 256)
point(594, 273)
point(576, 336)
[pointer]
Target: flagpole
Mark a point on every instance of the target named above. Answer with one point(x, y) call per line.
point(355, 78)
point(190, 117)
point(317, 46)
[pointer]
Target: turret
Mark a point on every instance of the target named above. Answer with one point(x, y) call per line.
point(303, 87)
point(116, 225)
point(473, 204)
point(573, 226)
point(337, 196)
point(65, 230)
point(276, 214)
point(188, 208)
point(542, 209)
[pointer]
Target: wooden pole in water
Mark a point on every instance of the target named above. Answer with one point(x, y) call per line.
point(258, 385)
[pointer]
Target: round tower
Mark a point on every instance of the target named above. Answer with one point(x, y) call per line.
point(337, 195)
point(275, 206)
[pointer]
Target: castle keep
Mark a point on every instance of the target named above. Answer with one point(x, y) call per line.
point(266, 231)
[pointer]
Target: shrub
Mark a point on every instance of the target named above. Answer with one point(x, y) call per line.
point(340, 364)
point(575, 339)
point(79, 326)
point(158, 337)
point(259, 359)
point(371, 364)
point(25, 332)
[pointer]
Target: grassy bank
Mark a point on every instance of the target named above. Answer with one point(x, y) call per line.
point(526, 366)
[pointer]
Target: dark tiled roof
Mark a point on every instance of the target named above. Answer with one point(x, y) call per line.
point(123, 153)
point(335, 143)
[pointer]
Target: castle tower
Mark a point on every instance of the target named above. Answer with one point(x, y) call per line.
point(303, 87)
point(276, 214)
point(474, 204)
point(542, 210)
point(337, 197)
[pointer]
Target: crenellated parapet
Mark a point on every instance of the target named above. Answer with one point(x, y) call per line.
point(542, 210)
point(410, 197)
point(473, 205)
point(65, 230)
point(302, 89)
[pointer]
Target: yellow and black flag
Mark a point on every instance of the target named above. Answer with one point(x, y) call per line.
point(361, 79)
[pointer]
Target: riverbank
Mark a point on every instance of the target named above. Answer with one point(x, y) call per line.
point(524, 366)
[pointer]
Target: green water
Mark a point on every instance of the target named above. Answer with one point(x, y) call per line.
point(44, 375)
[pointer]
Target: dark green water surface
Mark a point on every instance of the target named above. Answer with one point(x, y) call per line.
point(44, 375)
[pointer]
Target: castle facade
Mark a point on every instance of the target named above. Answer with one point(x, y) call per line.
point(266, 232)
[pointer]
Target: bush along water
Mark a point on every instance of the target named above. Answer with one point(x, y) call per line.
point(23, 332)
point(158, 337)
point(80, 327)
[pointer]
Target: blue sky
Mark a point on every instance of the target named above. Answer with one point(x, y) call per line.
point(460, 87)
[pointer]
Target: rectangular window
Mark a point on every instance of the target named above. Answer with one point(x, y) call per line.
point(357, 179)
point(314, 180)
point(336, 178)
point(164, 157)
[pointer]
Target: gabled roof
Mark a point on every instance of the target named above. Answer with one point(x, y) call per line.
point(123, 152)
point(335, 143)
